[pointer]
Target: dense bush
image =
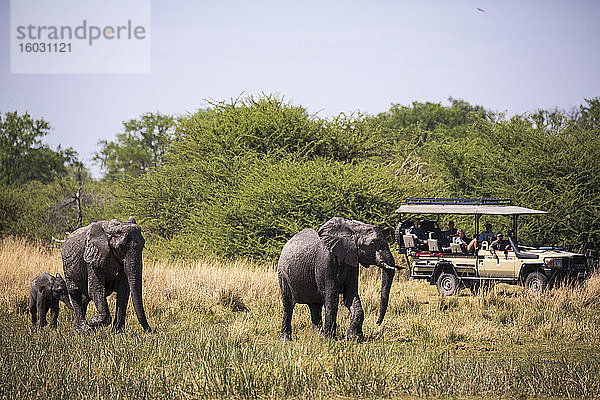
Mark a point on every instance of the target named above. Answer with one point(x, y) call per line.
point(546, 160)
point(273, 201)
point(238, 179)
point(245, 179)
point(39, 210)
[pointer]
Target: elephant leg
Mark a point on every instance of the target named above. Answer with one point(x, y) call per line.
point(122, 300)
point(288, 310)
point(79, 302)
point(54, 307)
point(42, 310)
point(357, 315)
point(331, 308)
point(33, 309)
point(315, 315)
point(84, 306)
point(97, 292)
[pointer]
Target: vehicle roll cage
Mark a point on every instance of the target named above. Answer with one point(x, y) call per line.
point(433, 200)
point(475, 207)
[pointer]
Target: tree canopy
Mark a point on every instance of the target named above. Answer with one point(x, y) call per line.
point(238, 183)
point(141, 147)
point(239, 178)
point(23, 156)
point(34, 179)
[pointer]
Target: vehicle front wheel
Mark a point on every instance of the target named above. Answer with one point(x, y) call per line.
point(447, 284)
point(536, 282)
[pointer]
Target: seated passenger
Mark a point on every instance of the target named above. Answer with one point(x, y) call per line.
point(450, 233)
point(416, 231)
point(485, 236)
point(461, 239)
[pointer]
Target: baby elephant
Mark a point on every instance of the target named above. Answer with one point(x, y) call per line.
point(46, 291)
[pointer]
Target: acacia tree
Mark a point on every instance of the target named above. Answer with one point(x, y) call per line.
point(34, 177)
point(245, 176)
point(23, 156)
point(140, 147)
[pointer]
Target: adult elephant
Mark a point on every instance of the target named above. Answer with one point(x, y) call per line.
point(99, 259)
point(316, 267)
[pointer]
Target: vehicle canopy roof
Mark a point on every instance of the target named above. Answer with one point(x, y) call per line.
point(464, 206)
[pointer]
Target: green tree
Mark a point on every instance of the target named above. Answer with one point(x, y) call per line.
point(429, 116)
point(23, 156)
point(141, 147)
point(404, 130)
point(245, 177)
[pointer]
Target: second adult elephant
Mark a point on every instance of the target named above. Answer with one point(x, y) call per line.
point(316, 267)
point(99, 259)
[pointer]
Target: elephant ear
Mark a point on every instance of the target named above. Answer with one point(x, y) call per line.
point(340, 239)
point(97, 249)
point(51, 284)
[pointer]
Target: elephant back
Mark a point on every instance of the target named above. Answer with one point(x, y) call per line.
point(73, 247)
point(296, 266)
point(300, 246)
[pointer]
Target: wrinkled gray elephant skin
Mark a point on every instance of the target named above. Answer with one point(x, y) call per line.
point(99, 259)
point(45, 294)
point(316, 267)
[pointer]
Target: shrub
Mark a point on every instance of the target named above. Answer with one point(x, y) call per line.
point(242, 180)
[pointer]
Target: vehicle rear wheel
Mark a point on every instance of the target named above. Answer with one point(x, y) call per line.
point(447, 284)
point(536, 282)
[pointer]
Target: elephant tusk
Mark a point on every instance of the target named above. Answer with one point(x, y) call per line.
point(386, 266)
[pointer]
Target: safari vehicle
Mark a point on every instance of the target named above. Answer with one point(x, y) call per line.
point(450, 267)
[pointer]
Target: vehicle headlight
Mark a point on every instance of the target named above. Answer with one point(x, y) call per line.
point(554, 262)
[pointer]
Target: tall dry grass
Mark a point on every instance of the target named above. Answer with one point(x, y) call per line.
point(216, 334)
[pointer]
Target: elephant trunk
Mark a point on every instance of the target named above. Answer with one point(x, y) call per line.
point(388, 271)
point(133, 271)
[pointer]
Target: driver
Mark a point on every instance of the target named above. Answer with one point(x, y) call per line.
point(499, 244)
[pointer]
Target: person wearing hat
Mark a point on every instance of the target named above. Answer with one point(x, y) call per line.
point(416, 231)
point(461, 238)
point(499, 244)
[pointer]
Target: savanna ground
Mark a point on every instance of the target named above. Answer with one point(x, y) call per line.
point(216, 334)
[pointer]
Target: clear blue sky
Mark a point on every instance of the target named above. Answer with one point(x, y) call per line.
point(329, 56)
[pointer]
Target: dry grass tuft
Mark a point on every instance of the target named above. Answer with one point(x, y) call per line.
point(216, 334)
point(232, 299)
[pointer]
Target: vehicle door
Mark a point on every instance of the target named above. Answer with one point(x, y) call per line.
point(503, 266)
